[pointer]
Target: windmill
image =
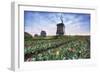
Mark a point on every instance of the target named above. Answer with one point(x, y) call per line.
point(60, 27)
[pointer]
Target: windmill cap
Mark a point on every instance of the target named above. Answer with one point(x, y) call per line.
point(60, 24)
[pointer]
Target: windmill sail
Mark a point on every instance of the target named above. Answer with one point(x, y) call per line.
point(61, 18)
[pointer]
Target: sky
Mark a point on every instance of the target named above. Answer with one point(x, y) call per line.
point(75, 23)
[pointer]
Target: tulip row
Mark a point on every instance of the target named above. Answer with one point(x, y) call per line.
point(58, 49)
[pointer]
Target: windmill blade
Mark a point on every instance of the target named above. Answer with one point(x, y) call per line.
point(61, 18)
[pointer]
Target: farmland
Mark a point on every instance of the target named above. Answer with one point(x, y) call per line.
point(56, 48)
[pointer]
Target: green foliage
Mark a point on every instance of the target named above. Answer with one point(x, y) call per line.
point(57, 48)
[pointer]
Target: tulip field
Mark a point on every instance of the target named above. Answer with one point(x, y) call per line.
point(56, 48)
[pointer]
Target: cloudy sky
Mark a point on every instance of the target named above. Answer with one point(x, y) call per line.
point(75, 23)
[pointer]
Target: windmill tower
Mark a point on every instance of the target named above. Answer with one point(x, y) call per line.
point(60, 27)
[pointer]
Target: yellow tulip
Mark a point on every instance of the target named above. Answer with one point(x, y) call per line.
point(57, 53)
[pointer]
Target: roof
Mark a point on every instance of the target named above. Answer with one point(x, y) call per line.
point(60, 24)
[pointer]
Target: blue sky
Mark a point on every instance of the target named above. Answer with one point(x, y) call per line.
point(75, 23)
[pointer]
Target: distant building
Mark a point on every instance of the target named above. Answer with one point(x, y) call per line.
point(60, 28)
point(43, 33)
point(36, 35)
